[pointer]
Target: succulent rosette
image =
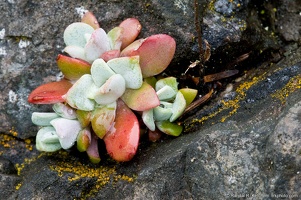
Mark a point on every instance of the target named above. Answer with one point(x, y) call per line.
point(106, 88)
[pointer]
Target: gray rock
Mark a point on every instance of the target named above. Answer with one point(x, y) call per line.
point(244, 143)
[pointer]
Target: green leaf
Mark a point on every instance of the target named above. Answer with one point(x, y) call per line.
point(148, 119)
point(64, 111)
point(103, 119)
point(163, 112)
point(169, 128)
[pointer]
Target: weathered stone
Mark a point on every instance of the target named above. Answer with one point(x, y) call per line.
point(244, 143)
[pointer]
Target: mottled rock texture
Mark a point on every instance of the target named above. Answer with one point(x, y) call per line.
point(244, 143)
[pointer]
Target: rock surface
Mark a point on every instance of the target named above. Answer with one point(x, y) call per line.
point(244, 143)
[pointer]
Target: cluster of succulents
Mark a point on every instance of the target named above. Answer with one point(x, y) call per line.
point(109, 88)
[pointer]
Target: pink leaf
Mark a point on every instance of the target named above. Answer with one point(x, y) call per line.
point(123, 138)
point(156, 52)
point(141, 99)
point(97, 45)
point(92, 150)
point(132, 28)
point(72, 68)
point(109, 55)
point(50, 93)
point(90, 19)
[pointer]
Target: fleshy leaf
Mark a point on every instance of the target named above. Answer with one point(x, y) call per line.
point(189, 94)
point(43, 118)
point(90, 19)
point(64, 111)
point(92, 150)
point(77, 96)
point(50, 93)
point(156, 52)
point(47, 140)
point(122, 139)
point(131, 49)
point(111, 90)
point(169, 128)
point(75, 52)
point(169, 81)
point(109, 55)
point(67, 131)
point(100, 72)
point(74, 34)
point(72, 68)
point(166, 93)
point(163, 112)
point(141, 99)
point(154, 135)
point(132, 28)
point(148, 119)
point(178, 107)
point(103, 118)
point(130, 70)
point(97, 45)
point(83, 140)
point(114, 37)
point(84, 117)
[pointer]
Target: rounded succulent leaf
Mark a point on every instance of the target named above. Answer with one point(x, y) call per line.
point(132, 28)
point(156, 52)
point(90, 19)
point(141, 99)
point(148, 119)
point(166, 93)
point(64, 111)
point(67, 131)
point(100, 72)
point(75, 52)
point(163, 112)
point(83, 140)
point(84, 117)
point(189, 94)
point(50, 93)
point(122, 139)
point(169, 128)
point(130, 70)
point(103, 119)
point(43, 118)
point(93, 151)
point(169, 81)
point(78, 95)
point(47, 140)
point(178, 107)
point(74, 34)
point(97, 45)
point(111, 90)
point(114, 37)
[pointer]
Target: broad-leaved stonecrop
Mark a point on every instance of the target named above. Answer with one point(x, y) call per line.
point(109, 82)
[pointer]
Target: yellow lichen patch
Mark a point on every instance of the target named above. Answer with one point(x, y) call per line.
point(231, 105)
point(75, 170)
point(293, 84)
point(9, 141)
point(13, 132)
point(27, 161)
point(18, 186)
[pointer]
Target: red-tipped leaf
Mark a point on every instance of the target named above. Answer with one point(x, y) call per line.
point(72, 68)
point(89, 18)
point(141, 99)
point(122, 139)
point(132, 28)
point(50, 93)
point(156, 52)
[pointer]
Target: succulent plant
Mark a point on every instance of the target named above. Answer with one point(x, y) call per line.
point(109, 84)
